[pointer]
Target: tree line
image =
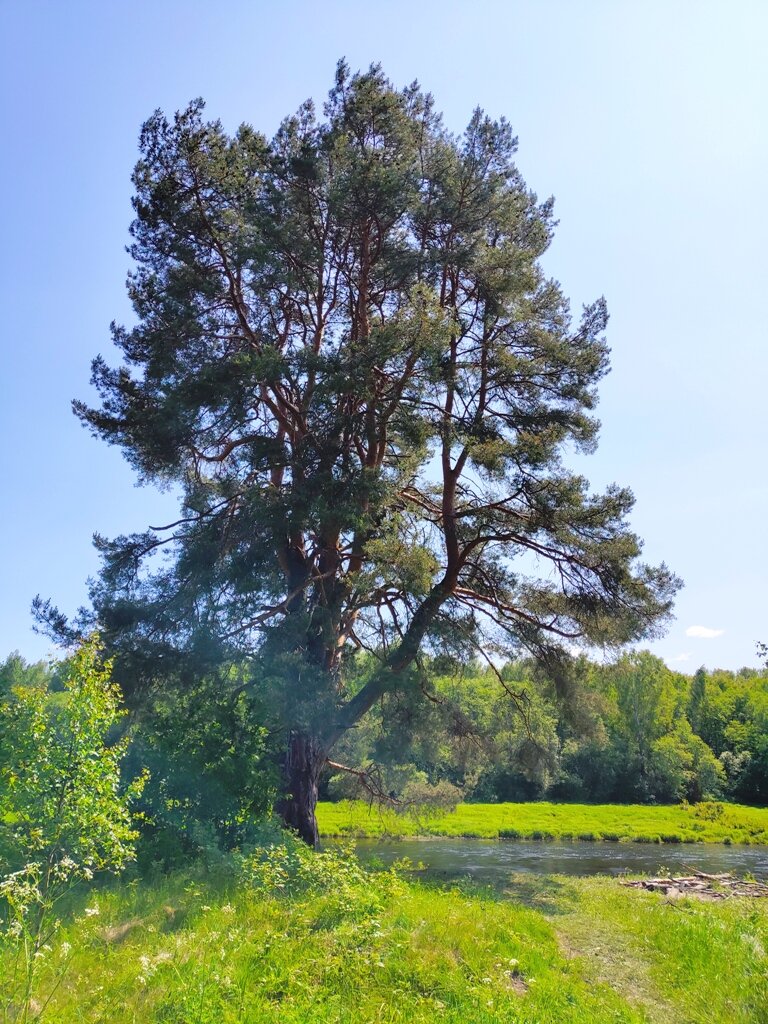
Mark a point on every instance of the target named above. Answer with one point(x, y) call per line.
point(630, 731)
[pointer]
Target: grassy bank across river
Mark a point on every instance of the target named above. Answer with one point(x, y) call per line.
point(639, 823)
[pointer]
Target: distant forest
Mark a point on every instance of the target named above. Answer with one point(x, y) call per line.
point(632, 731)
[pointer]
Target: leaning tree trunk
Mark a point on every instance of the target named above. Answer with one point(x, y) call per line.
point(303, 763)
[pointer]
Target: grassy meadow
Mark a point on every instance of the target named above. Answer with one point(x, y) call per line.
point(639, 823)
point(349, 947)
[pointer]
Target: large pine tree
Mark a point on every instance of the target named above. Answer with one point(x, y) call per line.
point(349, 362)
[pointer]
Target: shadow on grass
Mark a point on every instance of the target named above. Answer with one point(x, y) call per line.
point(546, 893)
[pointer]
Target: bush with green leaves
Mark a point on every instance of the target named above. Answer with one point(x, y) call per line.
point(288, 868)
point(66, 812)
point(213, 773)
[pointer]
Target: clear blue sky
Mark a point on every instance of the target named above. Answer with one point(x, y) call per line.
point(647, 119)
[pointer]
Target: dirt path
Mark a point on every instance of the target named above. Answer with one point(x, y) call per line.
point(614, 959)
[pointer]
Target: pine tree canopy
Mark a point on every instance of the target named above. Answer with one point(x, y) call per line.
point(348, 361)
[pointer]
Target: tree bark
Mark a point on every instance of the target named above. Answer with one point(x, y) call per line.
point(304, 761)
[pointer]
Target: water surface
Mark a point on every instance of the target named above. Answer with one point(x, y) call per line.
point(492, 862)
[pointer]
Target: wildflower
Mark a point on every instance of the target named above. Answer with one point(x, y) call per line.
point(64, 949)
point(227, 909)
point(65, 867)
point(92, 911)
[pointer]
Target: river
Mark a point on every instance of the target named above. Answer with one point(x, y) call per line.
point(492, 862)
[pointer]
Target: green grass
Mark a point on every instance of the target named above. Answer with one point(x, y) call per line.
point(701, 963)
point(703, 823)
point(358, 949)
point(412, 956)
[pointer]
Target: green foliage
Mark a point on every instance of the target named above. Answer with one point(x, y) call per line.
point(212, 772)
point(348, 891)
point(348, 359)
point(66, 812)
point(424, 799)
point(631, 731)
point(15, 671)
point(471, 734)
point(60, 768)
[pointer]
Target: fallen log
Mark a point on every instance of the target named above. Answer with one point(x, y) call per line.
point(701, 885)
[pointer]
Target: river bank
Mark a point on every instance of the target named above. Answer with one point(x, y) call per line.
point(638, 823)
point(331, 943)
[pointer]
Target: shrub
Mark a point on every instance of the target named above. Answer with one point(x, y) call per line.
point(60, 789)
point(334, 877)
point(709, 810)
point(211, 770)
point(425, 799)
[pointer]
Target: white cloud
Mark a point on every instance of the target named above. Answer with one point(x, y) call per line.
point(685, 656)
point(704, 632)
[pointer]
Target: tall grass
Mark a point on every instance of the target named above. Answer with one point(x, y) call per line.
point(300, 937)
point(354, 948)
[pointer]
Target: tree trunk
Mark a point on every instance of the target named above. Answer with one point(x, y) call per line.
point(303, 763)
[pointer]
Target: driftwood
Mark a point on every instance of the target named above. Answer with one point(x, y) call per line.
point(701, 885)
